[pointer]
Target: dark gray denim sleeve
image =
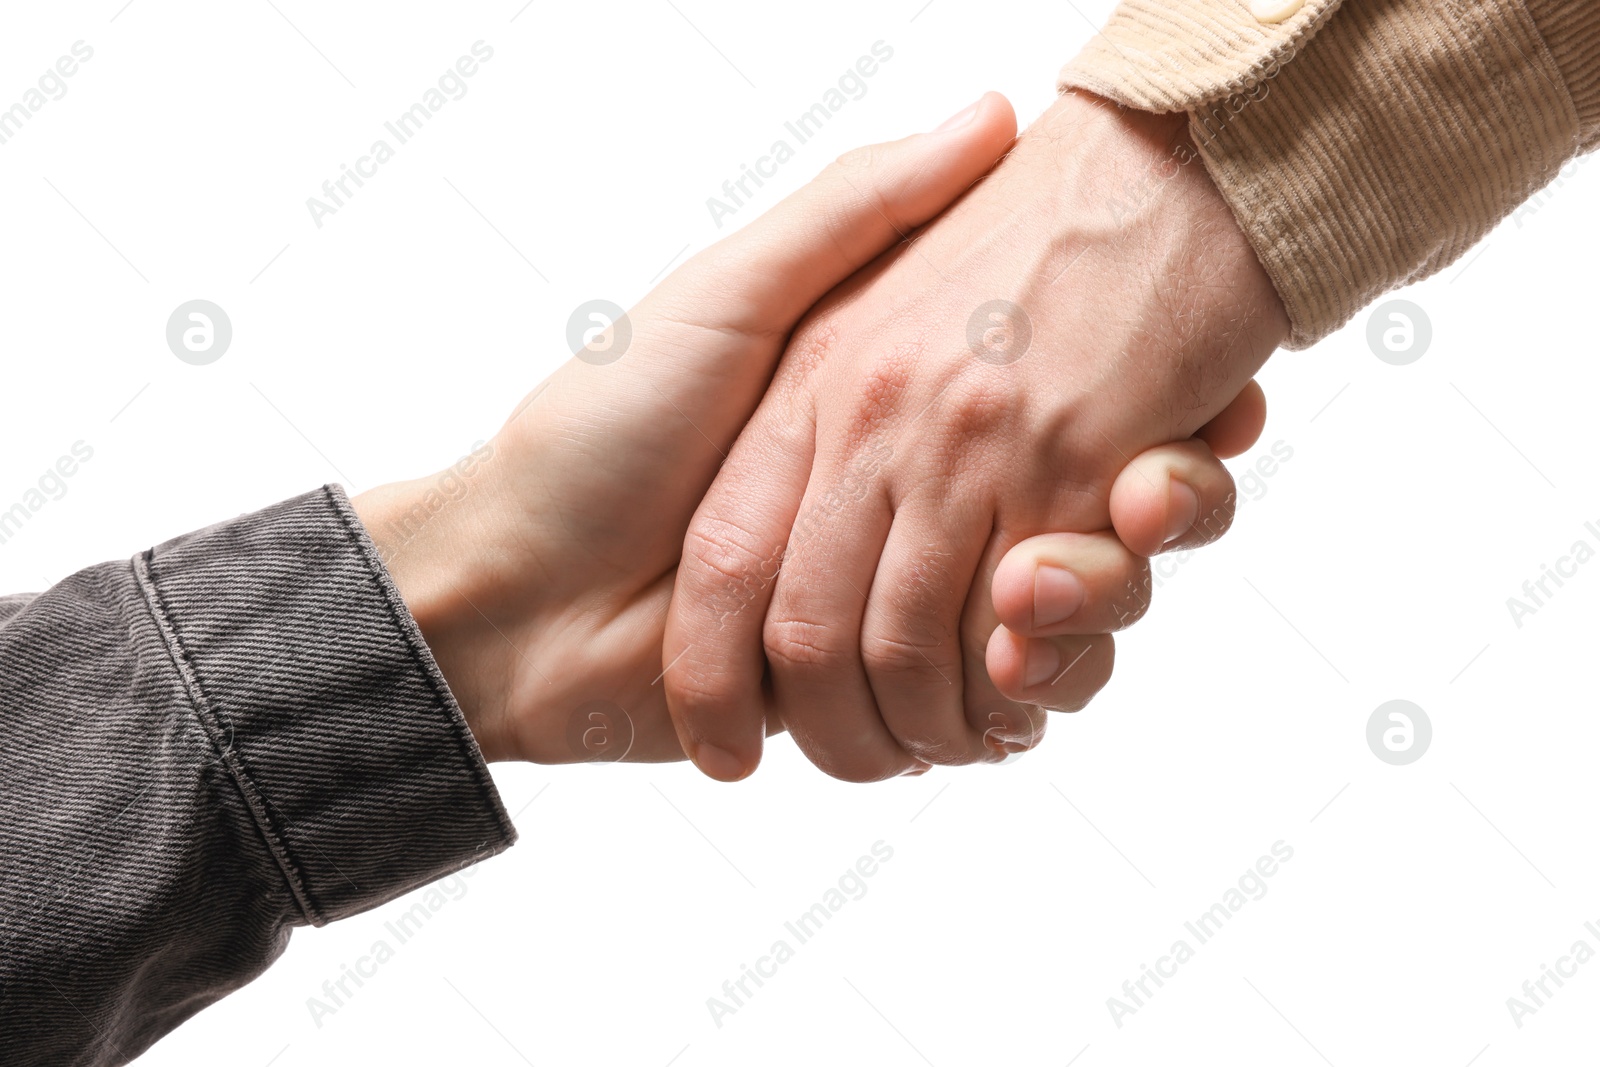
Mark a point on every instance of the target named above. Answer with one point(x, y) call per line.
point(237, 732)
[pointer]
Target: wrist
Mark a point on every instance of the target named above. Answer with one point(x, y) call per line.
point(1156, 165)
point(420, 529)
point(1135, 178)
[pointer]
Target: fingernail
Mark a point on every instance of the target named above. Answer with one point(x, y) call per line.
point(917, 771)
point(958, 120)
point(1042, 663)
point(1183, 508)
point(722, 765)
point(1057, 593)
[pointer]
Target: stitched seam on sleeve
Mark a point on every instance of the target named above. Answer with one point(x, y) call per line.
point(442, 698)
point(221, 740)
point(1276, 58)
point(1114, 65)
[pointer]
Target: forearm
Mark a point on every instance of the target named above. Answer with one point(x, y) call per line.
point(237, 732)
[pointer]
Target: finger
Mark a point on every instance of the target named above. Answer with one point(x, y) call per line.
point(1171, 497)
point(713, 659)
point(1055, 591)
point(1048, 587)
point(1067, 583)
point(1060, 673)
point(911, 632)
point(991, 711)
point(712, 654)
point(767, 275)
point(1238, 426)
point(813, 632)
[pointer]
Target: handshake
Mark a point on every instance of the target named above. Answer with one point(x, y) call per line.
point(883, 469)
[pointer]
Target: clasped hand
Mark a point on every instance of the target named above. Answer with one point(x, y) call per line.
point(888, 485)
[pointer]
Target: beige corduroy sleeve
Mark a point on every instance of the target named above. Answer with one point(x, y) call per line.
point(1362, 144)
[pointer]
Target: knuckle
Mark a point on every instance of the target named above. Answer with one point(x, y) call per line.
point(975, 405)
point(800, 644)
point(859, 171)
point(695, 694)
point(881, 388)
point(725, 559)
point(813, 342)
point(858, 160)
point(944, 751)
point(898, 657)
point(938, 751)
point(862, 766)
point(861, 755)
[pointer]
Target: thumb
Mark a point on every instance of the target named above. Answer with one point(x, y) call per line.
point(765, 277)
point(1237, 427)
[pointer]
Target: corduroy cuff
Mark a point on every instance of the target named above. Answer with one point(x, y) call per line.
point(1361, 145)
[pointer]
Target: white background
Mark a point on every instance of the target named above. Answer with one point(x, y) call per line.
point(1374, 564)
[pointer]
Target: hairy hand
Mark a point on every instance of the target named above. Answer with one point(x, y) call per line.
point(1091, 298)
point(542, 588)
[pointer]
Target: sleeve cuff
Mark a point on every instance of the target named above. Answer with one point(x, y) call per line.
point(1175, 55)
point(324, 704)
point(1368, 157)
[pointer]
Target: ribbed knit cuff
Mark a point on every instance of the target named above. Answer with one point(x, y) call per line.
point(1366, 145)
point(324, 704)
point(1571, 30)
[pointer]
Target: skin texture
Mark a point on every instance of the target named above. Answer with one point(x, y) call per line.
point(837, 575)
point(543, 589)
point(1170, 498)
point(542, 583)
